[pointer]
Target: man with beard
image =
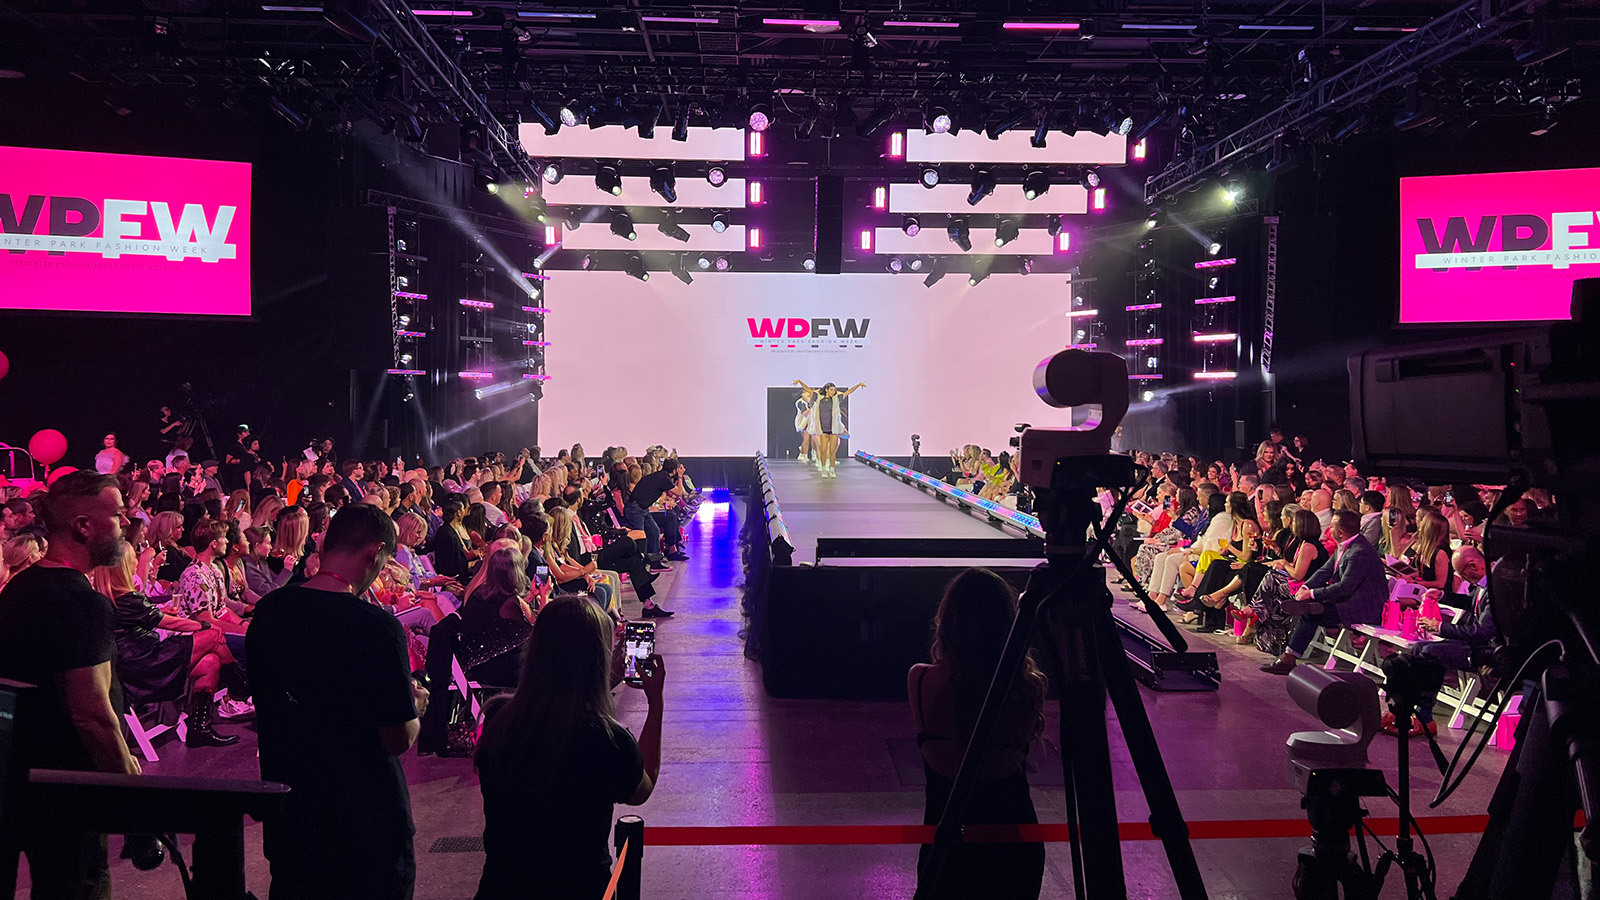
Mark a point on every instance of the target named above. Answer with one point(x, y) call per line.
point(55, 634)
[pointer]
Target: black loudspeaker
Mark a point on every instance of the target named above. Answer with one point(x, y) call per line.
point(830, 224)
point(1238, 433)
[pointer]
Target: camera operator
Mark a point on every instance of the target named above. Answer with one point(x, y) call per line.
point(1461, 646)
point(1349, 589)
point(56, 634)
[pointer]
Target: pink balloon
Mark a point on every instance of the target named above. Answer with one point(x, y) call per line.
point(5, 365)
point(48, 446)
point(57, 472)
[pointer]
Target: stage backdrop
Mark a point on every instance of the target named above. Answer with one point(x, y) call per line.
point(690, 366)
point(107, 232)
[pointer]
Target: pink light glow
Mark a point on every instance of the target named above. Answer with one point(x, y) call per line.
point(408, 295)
point(1228, 299)
point(552, 236)
point(407, 372)
point(536, 377)
point(866, 239)
point(1143, 307)
point(1216, 263)
point(678, 20)
point(1099, 202)
point(757, 195)
point(755, 238)
point(894, 23)
point(475, 376)
point(803, 23)
point(535, 343)
point(880, 197)
point(1216, 376)
point(411, 334)
point(1146, 377)
point(1041, 26)
point(1063, 242)
point(477, 304)
point(1141, 148)
point(897, 145)
point(455, 13)
point(757, 144)
point(1220, 338)
point(1082, 313)
point(1089, 346)
point(1146, 342)
point(535, 309)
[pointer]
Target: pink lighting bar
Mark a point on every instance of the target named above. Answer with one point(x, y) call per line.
point(678, 20)
point(755, 238)
point(900, 23)
point(477, 304)
point(455, 13)
point(757, 144)
point(1216, 376)
point(1143, 307)
point(475, 376)
point(897, 145)
point(1090, 346)
point(1041, 26)
point(539, 377)
point(409, 295)
point(412, 334)
point(1063, 242)
point(866, 238)
point(803, 23)
point(880, 197)
point(1216, 263)
point(1146, 342)
point(757, 195)
point(552, 236)
point(1146, 377)
point(407, 372)
point(538, 310)
point(1228, 299)
point(535, 276)
point(1076, 313)
point(1141, 149)
point(1098, 200)
point(535, 343)
point(1219, 338)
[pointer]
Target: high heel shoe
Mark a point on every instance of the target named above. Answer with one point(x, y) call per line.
point(1189, 618)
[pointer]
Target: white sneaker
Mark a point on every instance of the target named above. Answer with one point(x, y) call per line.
point(229, 708)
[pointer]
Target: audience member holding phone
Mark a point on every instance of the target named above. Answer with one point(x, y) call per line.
point(553, 760)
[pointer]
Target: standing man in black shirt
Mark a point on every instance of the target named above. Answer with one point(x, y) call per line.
point(336, 707)
point(55, 633)
point(643, 496)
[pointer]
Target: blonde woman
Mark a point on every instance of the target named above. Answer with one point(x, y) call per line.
point(165, 531)
point(18, 553)
point(567, 573)
point(560, 538)
point(266, 512)
point(290, 539)
point(1430, 552)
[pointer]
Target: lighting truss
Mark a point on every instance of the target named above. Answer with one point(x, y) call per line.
point(1467, 26)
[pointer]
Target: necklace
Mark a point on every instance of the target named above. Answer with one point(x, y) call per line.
point(340, 578)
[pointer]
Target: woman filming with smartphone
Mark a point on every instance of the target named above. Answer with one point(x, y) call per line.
point(553, 761)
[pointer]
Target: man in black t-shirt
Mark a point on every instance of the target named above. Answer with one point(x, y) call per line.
point(55, 634)
point(336, 707)
point(644, 495)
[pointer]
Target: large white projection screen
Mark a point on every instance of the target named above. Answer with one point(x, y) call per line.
point(661, 362)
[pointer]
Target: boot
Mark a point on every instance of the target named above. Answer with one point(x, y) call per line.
point(201, 704)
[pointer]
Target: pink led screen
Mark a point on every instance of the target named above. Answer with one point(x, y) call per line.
point(105, 232)
point(1498, 247)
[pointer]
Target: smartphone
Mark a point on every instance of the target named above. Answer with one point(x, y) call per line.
point(542, 573)
point(639, 642)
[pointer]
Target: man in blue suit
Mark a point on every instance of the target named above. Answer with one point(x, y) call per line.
point(1349, 589)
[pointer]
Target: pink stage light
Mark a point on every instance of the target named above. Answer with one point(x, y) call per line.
point(1146, 376)
point(897, 145)
point(535, 276)
point(678, 20)
point(1216, 263)
point(1063, 242)
point(880, 197)
point(1219, 338)
point(1143, 307)
point(1146, 342)
point(866, 238)
point(540, 310)
point(411, 334)
point(1228, 299)
point(1041, 26)
point(757, 144)
point(535, 343)
point(755, 238)
point(536, 377)
point(408, 295)
point(1216, 376)
point(757, 195)
point(1090, 346)
point(552, 236)
point(1082, 313)
point(474, 376)
point(1098, 203)
point(407, 372)
point(1141, 148)
point(804, 23)
point(477, 304)
point(900, 23)
point(454, 13)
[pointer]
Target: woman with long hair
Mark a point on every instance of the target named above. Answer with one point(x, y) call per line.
point(1430, 553)
point(1302, 555)
point(1211, 590)
point(969, 632)
point(497, 618)
point(1397, 532)
point(166, 530)
point(802, 424)
point(570, 573)
point(554, 760)
point(829, 421)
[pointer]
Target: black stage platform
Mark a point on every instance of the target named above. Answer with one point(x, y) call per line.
point(850, 625)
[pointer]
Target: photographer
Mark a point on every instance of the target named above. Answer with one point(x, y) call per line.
point(1461, 646)
point(636, 509)
point(1349, 589)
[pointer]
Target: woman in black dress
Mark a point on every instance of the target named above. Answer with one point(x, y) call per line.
point(496, 619)
point(970, 630)
point(449, 543)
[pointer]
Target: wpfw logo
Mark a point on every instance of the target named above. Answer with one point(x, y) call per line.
point(1461, 246)
point(808, 334)
point(70, 221)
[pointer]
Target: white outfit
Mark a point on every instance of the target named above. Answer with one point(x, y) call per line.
point(802, 416)
point(109, 461)
point(839, 427)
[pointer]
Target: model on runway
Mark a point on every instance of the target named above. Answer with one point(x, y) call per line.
point(827, 423)
point(802, 424)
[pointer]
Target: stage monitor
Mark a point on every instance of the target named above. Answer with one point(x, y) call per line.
point(1496, 247)
point(106, 232)
point(709, 367)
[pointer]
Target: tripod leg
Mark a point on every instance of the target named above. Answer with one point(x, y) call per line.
point(1166, 819)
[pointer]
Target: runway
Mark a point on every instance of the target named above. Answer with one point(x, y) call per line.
point(862, 503)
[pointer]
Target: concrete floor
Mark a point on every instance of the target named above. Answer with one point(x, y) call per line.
point(733, 756)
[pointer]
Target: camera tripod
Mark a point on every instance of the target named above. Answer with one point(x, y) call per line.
point(1067, 608)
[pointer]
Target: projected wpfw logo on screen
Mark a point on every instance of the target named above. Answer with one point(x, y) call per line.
point(70, 223)
point(1460, 246)
point(809, 335)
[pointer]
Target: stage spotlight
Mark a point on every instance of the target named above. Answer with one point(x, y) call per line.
point(703, 262)
point(680, 128)
point(551, 124)
point(1155, 219)
point(916, 264)
point(939, 120)
point(982, 186)
point(961, 234)
point(929, 177)
point(979, 273)
point(719, 222)
point(551, 173)
point(933, 276)
point(569, 113)
point(607, 179)
point(488, 178)
point(1212, 282)
point(571, 222)
point(633, 264)
point(680, 269)
point(717, 176)
point(911, 226)
point(1041, 131)
point(1232, 190)
point(760, 116)
point(809, 263)
point(722, 264)
point(1052, 224)
point(1147, 396)
point(1006, 232)
point(1005, 123)
point(587, 263)
point(1120, 126)
point(1213, 248)
point(648, 117)
point(876, 120)
point(1091, 179)
point(663, 182)
point(1025, 265)
point(896, 265)
point(673, 230)
point(622, 225)
point(1035, 184)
